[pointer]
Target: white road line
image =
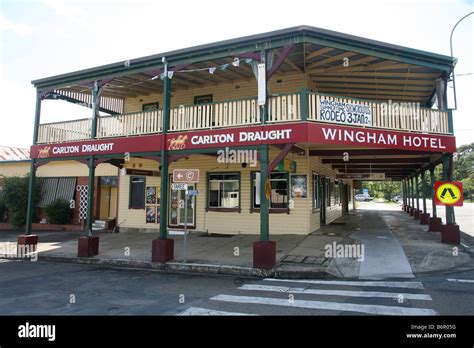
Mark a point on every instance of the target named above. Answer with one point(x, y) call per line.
point(351, 307)
point(205, 311)
point(460, 280)
point(407, 285)
point(285, 289)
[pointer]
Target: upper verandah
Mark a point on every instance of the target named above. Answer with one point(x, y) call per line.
point(323, 61)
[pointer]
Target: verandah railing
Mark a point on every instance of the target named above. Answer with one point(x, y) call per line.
point(290, 107)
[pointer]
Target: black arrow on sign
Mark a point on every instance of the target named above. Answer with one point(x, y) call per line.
point(451, 193)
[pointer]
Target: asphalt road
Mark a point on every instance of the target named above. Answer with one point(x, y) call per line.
point(38, 288)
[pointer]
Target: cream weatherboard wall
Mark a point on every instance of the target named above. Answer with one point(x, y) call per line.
point(300, 220)
point(56, 169)
point(281, 83)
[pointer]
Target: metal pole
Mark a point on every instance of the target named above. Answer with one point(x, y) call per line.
point(31, 204)
point(433, 205)
point(185, 220)
point(448, 175)
point(164, 155)
point(264, 209)
point(90, 196)
point(451, 49)
point(417, 192)
point(423, 190)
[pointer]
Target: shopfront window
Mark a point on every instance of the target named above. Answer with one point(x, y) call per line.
point(279, 190)
point(224, 190)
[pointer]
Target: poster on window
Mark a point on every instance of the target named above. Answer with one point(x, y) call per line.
point(299, 186)
point(151, 215)
point(336, 111)
point(150, 195)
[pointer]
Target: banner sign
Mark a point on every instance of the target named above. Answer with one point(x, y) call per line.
point(97, 147)
point(378, 138)
point(347, 113)
point(301, 132)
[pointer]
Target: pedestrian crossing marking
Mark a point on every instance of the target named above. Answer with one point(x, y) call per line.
point(347, 293)
point(348, 307)
point(391, 284)
point(210, 312)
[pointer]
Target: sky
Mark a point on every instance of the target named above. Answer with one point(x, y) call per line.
point(43, 38)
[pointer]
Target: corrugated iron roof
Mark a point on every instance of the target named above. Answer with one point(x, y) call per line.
point(9, 153)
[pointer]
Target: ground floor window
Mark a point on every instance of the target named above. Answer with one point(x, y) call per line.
point(137, 192)
point(224, 190)
point(337, 193)
point(279, 190)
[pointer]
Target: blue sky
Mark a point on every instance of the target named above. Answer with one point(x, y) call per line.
point(44, 38)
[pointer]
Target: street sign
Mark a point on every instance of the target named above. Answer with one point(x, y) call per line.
point(193, 192)
point(448, 193)
point(186, 175)
point(179, 186)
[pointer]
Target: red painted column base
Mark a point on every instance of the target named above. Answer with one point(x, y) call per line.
point(26, 244)
point(162, 250)
point(434, 224)
point(416, 214)
point(264, 254)
point(424, 218)
point(450, 234)
point(407, 209)
point(88, 246)
point(412, 211)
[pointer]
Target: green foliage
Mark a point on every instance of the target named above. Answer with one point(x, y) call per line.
point(15, 199)
point(3, 209)
point(59, 211)
point(383, 189)
point(464, 168)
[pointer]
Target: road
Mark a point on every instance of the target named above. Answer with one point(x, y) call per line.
point(36, 288)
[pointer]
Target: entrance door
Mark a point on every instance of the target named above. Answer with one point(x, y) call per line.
point(108, 203)
point(177, 208)
point(322, 190)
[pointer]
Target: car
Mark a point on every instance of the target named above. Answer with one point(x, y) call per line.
point(363, 198)
point(397, 199)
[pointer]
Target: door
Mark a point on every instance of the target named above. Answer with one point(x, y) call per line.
point(177, 208)
point(345, 198)
point(322, 190)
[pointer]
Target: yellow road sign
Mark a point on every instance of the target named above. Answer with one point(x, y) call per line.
point(448, 193)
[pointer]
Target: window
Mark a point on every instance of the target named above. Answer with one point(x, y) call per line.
point(137, 192)
point(279, 195)
point(203, 99)
point(337, 193)
point(150, 106)
point(316, 192)
point(224, 190)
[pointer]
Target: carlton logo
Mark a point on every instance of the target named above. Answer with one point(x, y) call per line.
point(44, 152)
point(178, 143)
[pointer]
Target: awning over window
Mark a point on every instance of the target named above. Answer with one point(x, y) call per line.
point(54, 188)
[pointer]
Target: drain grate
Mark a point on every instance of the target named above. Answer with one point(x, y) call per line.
point(311, 260)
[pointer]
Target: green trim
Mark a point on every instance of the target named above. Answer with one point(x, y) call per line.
point(13, 162)
point(432, 177)
point(37, 118)
point(90, 197)
point(264, 204)
point(31, 204)
point(450, 121)
point(304, 112)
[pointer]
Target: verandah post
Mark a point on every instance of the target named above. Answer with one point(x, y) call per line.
point(27, 239)
point(163, 248)
point(423, 190)
point(432, 177)
point(264, 206)
point(447, 176)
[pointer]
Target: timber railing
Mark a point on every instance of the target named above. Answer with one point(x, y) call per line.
point(288, 107)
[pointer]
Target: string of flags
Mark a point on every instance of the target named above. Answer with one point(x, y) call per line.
point(235, 63)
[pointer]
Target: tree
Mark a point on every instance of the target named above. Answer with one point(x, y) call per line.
point(15, 199)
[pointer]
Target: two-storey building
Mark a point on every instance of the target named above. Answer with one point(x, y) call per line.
point(282, 127)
